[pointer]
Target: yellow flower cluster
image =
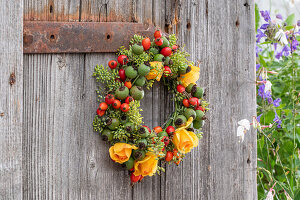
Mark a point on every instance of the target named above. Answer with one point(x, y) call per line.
point(185, 140)
point(121, 153)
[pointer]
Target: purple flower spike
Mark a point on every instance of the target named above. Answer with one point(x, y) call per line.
point(279, 16)
point(270, 100)
point(257, 66)
point(277, 120)
point(264, 26)
point(295, 43)
point(258, 118)
point(278, 55)
point(266, 15)
point(259, 35)
point(286, 50)
point(257, 50)
point(276, 102)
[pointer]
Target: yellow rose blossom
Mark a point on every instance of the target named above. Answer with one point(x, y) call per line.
point(156, 72)
point(185, 140)
point(147, 166)
point(191, 77)
point(121, 152)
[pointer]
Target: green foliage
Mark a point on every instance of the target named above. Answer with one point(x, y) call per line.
point(134, 113)
point(98, 124)
point(278, 147)
point(108, 78)
point(290, 20)
point(257, 17)
point(136, 39)
point(179, 59)
point(172, 39)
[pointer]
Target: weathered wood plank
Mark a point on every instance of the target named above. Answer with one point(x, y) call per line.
point(218, 168)
point(53, 110)
point(64, 159)
point(11, 98)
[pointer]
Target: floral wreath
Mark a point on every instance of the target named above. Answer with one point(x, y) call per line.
point(118, 118)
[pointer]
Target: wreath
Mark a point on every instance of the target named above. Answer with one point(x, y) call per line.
point(124, 82)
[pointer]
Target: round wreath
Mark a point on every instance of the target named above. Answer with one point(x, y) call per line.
point(118, 118)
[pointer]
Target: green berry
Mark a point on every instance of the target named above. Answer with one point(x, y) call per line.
point(143, 131)
point(129, 163)
point(166, 42)
point(180, 120)
point(140, 81)
point(129, 127)
point(154, 50)
point(189, 112)
point(167, 60)
point(162, 133)
point(197, 92)
point(122, 92)
point(115, 122)
point(184, 69)
point(130, 72)
point(137, 92)
point(107, 135)
point(124, 119)
point(138, 154)
point(197, 124)
point(143, 70)
point(199, 115)
point(159, 57)
point(137, 49)
point(189, 87)
point(142, 144)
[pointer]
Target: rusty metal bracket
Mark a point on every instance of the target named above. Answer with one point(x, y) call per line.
point(80, 37)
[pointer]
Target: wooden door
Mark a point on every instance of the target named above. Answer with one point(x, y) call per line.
point(56, 153)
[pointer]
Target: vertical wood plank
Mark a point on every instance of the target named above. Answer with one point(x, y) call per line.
point(53, 112)
point(220, 34)
point(11, 98)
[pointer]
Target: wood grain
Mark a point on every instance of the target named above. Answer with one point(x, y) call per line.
point(64, 159)
point(11, 98)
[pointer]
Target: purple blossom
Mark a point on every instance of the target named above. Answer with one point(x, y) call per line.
point(298, 23)
point(260, 35)
point(295, 43)
point(266, 15)
point(277, 120)
point(262, 93)
point(257, 66)
point(270, 100)
point(264, 26)
point(275, 45)
point(276, 102)
point(257, 50)
point(258, 118)
point(286, 50)
point(278, 55)
point(279, 16)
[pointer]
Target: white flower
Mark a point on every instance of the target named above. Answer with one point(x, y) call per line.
point(280, 36)
point(244, 125)
point(270, 195)
point(268, 86)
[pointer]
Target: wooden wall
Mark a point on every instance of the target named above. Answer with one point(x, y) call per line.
point(48, 149)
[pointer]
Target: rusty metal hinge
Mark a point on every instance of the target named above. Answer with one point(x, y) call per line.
point(79, 37)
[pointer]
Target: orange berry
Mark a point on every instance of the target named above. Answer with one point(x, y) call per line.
point(116, 104)
point(103, 106)
point(169, 156)
point(128, 84)
point(157, 129)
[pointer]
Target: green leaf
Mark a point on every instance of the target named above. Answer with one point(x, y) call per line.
point(289, 27)
point(257, 17)
point(262, 61)
point(290, 20)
